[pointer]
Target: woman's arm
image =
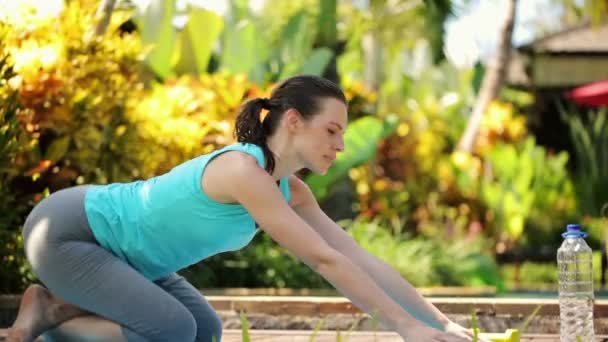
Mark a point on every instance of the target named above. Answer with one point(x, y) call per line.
point(248, 184)
point(384, 275)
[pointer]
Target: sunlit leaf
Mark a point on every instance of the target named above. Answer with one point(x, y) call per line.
point(195, 42)
point(155, 22)
point(317, 62)
point(58, 148)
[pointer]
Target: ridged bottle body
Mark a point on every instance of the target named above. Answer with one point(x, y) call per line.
point(575, 271)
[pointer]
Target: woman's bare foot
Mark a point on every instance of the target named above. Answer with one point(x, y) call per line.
point(39, 311)
point(31, 320)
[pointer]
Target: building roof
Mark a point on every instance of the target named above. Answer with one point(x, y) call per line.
point(582, 39)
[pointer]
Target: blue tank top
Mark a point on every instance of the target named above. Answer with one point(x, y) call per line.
point(167, 223)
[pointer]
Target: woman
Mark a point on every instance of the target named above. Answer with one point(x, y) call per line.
point(108, 254)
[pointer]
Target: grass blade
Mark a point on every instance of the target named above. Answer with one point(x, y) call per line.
point(245, 327)
point(528, 319)
point(316, 331)
point(474, 325)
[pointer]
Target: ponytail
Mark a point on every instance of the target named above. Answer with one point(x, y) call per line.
point(249, 128)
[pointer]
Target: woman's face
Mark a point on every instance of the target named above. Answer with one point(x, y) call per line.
point(319, 138)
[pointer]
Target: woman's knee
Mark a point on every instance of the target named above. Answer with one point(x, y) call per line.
point(181, 326)
point(210, 331)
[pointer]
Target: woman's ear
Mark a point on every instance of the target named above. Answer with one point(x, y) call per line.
point(293, 119)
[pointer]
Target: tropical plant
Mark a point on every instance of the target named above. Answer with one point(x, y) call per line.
point(13, 205)
point(263, 263)
point(70, 116)
point(73, 102)
point(378, 32)
point(589, 137)
point(408, 166)
point(186, 117)
point(177, 48)
point(459, 262)
point(516, 176)
point(515, 181)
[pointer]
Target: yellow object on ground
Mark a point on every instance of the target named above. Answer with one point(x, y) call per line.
point(510, 335)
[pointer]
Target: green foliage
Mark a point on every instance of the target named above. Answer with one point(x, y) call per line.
point(542, 276)
point(63, 99)
point(243, 51)
point(510, 183)
point(439, 220)
point(434, 12)
point(459, 262)
point(13, 205)
point(590, 139)
point(177, 48)
point(295, 53)
point(176, 44)
point(72, 108)
point(518, 184)
point(276, 15)
point(408, 168)
point(184, 118)
point(193, 49)
point(293, 49)
point(155, 30)
point(522, 178)
point(438, 262)
point(327, 22)
point(72, 95)
point(377, 33)
point(597, 229)
point(263, 263)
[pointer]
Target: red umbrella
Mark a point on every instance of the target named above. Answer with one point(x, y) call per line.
point(592, 94)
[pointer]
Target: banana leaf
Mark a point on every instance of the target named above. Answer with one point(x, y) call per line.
point(155, 25)
point(195, 42)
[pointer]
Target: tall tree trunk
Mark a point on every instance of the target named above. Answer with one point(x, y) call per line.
point(492, 80)
point(102, 17)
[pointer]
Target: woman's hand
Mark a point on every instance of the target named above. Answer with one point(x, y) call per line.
point(455, 329)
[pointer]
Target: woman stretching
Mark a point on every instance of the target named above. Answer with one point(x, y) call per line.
point(107, 254)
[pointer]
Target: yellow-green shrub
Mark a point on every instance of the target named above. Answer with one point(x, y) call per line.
point(186, 117)
point(89, 113)
point(72, 92)
point(79, 110)
point(405, 170)
point(12, 204)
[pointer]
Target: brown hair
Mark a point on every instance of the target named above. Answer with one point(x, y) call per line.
point(303, 93)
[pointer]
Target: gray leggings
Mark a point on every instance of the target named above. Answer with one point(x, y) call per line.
point(73, 266)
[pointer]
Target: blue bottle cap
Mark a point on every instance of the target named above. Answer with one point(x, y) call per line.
point(574, 230)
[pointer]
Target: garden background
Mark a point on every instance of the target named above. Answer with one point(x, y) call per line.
point(450, 173)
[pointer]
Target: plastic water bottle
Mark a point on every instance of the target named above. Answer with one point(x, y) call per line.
point(575, 267)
